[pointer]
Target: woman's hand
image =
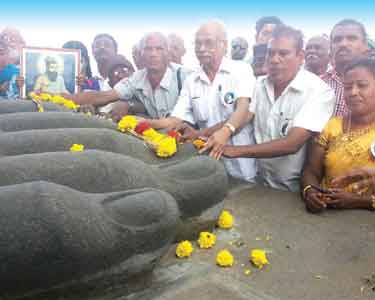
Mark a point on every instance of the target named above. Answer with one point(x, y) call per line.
point(315, 201)
point(362, 178)
point(341, 199)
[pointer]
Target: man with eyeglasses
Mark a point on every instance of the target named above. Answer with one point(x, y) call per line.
point(119, 68)
point(152, 90)
point(215, 98)
point(239, 48)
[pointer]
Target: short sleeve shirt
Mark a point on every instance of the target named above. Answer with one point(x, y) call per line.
point(307, 102)
point(158, 103)
point(206, 103)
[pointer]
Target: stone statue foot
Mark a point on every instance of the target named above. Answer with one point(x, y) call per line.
point(53, 140)
point(56, 239)
point(28, 120)
point(199, 184)
point(12, 106)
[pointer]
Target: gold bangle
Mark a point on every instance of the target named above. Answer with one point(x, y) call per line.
point(372, 202)
point(306, 188)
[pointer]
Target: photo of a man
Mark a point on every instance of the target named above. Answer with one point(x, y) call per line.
point(51, 81)
point(50, 70)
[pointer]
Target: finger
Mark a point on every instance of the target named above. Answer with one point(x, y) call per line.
point(348, 178)
point(207, 147)
point(364, 183)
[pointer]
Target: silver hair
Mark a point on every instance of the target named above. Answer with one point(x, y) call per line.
point(142, 42)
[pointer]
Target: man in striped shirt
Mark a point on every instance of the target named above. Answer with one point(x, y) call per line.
point(348, 41)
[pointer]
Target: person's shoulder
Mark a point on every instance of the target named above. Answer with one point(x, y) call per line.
point(311, 82)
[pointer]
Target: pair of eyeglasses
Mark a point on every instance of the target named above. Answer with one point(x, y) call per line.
point(238, 47)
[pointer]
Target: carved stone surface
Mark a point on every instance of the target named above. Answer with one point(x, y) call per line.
point(53, 235)
point(52, 140)
point(28, 120)
point(197, 184)
point(16, 106)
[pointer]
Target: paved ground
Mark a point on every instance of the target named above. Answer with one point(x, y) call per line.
point(325, 256)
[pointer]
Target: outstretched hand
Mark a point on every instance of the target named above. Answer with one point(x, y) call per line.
point(216, 142)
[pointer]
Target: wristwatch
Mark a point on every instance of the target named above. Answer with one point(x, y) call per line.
point(230, 126)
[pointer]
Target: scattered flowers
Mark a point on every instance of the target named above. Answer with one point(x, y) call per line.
point(57, 99)
point(199, 143)
point(225, 220)
point(206, 240)
point(184, 249)
point(224, 259)
point(247, 272)
point(258, 258)
point(77, 148)
point(164, 145)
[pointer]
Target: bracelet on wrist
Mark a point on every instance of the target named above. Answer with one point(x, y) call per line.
point(305, 189)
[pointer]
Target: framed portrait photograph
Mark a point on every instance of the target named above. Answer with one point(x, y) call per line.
point(49, 70)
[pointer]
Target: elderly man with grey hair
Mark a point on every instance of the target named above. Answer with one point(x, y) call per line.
point(152, 90)
point(215, 98)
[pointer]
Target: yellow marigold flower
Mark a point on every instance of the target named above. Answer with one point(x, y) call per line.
point(206, 240)
point(57, 99)
point(127, 123)
point(166, 147)
point(224, 259)
point(45, 97)
point(258, 258)
point(70, 104)
point(225, 220)
point(199, 144)
point(153, 136)
point(34, 96)
point(77, 148)
point(184, 249)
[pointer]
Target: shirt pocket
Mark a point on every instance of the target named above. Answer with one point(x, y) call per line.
point(200, 111)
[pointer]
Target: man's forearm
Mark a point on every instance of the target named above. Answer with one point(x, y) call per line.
point(275, 148)
point(164, 122)
point(95, 98)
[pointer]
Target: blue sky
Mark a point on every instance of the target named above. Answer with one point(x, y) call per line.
point(51, 23)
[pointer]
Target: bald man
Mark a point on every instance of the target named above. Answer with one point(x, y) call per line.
point(317, 55)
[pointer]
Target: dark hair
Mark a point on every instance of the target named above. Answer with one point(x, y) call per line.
point(346, 22)
point(108, 36)
point(290, 32)
point(266, 20)
point(119, 61)
point(79, 45)
point(367, 63)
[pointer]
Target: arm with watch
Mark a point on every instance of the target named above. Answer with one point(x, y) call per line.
point(122, 108)
point(219, 134)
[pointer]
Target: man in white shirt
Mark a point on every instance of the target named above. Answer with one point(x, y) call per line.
point(216, 98)
point(289, 105)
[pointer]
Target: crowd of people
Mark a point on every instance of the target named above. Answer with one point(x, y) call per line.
point(296, 116)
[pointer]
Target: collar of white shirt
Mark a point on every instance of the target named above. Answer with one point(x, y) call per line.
point(165, 83)
point(225, 67)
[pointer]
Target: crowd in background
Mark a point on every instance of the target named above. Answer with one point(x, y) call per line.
point(298, 115)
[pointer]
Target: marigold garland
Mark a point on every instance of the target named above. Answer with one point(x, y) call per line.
point(258, 258)
point(225, 220)
point(206, 240)
point(57, 99)
point(184, 249)
point(77, 148)
point(127, 123)
point(164, 145)
point(224, 258)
